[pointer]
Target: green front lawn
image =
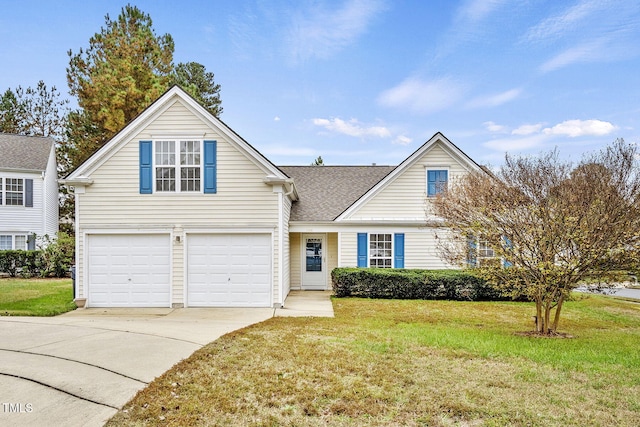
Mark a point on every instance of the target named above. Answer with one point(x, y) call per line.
point(386, 362)
point(35, 297)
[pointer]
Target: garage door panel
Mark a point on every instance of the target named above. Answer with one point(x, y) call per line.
point(129, 270)
point(229, 270)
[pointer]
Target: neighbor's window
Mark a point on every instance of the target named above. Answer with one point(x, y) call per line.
point(380, 250)
point(178, 160)
point(14, 191)
point(436, 181)
point(21, 242)
point(6, 243)
point(484, 249)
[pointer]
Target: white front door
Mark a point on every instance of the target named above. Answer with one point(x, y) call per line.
point(314, 274)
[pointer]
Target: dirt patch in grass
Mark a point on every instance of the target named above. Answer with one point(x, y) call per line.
point(398, 363)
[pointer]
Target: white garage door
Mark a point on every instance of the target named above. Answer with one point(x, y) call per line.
point(129, 270)
point(229, 270)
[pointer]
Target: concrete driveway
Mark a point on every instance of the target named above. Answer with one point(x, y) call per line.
point(79, 368)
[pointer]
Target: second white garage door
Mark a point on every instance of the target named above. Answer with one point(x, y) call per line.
point(229, 270)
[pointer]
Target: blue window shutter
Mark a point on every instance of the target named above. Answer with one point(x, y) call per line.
point(362, 250)
point(28, 193)
point(398, 258)
point(146, 164)
point(210, 167)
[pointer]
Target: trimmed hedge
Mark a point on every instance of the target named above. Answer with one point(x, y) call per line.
point(412, 284)
point(23, 262)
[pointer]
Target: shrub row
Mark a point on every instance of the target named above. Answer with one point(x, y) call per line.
point(412, 284)
point(54, 258)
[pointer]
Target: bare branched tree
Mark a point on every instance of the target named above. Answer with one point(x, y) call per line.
point(552, 225)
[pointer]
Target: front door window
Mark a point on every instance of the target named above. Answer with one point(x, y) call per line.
point(314, 254)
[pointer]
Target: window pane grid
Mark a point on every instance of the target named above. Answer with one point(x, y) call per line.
point(190, 153)
point(6, 243)
point(380, 250)
point(21, 242)
point(190, 179)
point(178, 160)
point(14, 191)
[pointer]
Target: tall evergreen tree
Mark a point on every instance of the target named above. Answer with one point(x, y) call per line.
point(126, 67)
point(199, 83)
point(9, 112)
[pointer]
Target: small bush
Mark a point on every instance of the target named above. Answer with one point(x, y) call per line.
point(412, 284)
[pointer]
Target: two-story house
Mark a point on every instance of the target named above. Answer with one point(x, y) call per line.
point(28, 190)
point(179, 210)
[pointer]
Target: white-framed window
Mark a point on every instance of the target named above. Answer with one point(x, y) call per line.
point(178, 165)
point(380, 250)
point(17, 242)
point(437, 180)
point(6, 242)
point(14, 191)
point(484, 249)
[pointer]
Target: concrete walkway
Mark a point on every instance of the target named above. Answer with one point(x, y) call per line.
point(79, 368)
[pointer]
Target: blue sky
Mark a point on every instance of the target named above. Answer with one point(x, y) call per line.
point(364, 81)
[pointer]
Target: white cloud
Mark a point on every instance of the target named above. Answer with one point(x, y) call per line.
point(402, 140)
point(575, 128)
point(494, 127)
point(276, 119)
point(352, 128)
point(587, 52)
point(422, 96)
point(494, 100)
point(565, 21)
point(527, 129)
point(477, 10)
point(516, 144)
point(319, 33)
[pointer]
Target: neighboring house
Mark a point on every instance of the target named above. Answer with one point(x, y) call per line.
point(178, 210)
point(28, 190)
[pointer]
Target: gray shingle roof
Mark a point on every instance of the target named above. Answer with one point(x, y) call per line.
point(24, 152)
point(326, 191)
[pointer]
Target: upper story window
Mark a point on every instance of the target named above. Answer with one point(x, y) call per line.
point(16, 192)
point(437, 180)
point(178, 166)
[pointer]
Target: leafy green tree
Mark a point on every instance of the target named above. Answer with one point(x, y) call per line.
point(552, 225)
point(200, 84)
point(126, 67)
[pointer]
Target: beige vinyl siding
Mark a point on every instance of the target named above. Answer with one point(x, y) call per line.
point(349, 249)
point(295, 260)
point(286, 245)
point(242, 202)
point(242, 198)
point(408, 190)
point(332, 255)
point(421, 249)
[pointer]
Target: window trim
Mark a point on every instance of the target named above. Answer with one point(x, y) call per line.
point(177, 166)
point(434, 168)
point(3, 193)
point(391, 257)
point(12, 238)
